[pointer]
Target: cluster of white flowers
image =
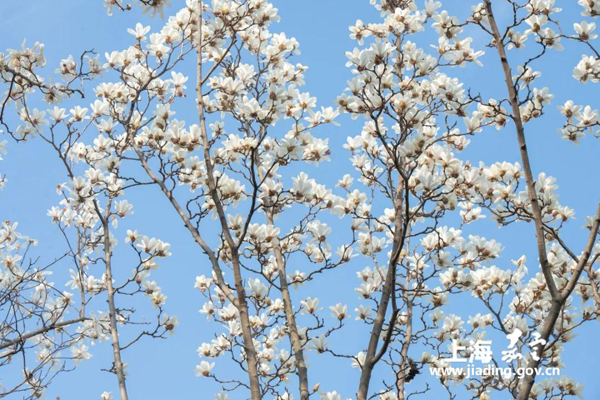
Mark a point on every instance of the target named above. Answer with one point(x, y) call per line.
point(411, 203)
point(408, 152)
point(35, 302)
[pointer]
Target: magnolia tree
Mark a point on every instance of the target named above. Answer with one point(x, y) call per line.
point(237, 170)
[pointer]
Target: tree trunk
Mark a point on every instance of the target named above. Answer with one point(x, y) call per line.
point(291, 318)
point(112, 311)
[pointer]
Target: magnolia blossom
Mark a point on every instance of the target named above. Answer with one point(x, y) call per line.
point(408, 213)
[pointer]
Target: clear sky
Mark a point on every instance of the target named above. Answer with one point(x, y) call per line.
point(164, 369)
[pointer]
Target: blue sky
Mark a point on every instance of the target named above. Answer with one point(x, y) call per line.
point(165, 369)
